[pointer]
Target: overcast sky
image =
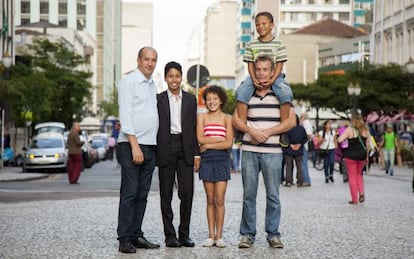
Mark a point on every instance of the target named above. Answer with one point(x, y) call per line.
point(174, 21)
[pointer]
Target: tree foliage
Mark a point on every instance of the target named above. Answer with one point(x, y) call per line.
point(52, 83)
point(384, 89)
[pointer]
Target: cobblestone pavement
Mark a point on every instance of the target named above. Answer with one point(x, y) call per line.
point(317, 222)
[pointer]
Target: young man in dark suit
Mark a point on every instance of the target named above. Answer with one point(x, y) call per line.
point(177, 154)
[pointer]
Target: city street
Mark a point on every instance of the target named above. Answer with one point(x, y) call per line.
point(49, 218)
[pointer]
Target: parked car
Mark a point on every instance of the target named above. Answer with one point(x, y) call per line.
point(46, 151)
point(104, 138)
point(99, 146)
point(89, 154)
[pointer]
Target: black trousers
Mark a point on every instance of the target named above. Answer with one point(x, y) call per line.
point(177, 167)
point(135, 185)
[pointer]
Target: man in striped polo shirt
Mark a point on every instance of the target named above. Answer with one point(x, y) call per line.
point(261, 152)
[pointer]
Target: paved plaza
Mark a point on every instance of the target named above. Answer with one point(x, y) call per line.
point(317, 222)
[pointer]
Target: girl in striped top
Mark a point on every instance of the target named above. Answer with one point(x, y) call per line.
point(215, 137)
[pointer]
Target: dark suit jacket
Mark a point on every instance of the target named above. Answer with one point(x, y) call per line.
point(188, 127)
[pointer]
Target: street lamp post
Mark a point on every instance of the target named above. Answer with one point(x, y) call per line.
point(354, 91)
point(410, 69)
point(7, 62)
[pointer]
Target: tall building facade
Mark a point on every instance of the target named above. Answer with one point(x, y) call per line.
point(6, 30)
point(295, 14)
point(95, 22)
point(220, 45)
point(137, 31)
point(392, 38)
point(108, 39)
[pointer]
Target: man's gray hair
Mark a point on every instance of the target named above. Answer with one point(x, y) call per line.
point(263, 58)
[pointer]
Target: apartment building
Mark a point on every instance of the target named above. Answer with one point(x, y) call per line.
point(94, 24)
point(220, 44)
point(392, 38)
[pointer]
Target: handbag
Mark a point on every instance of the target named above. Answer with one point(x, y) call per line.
point(323, 153)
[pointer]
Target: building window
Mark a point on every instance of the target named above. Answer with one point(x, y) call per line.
point(311, 1)
point(81, 8)
point(247, 4)
point(80, 24)
point(44, 7)
point(345, 2)
point(328, 15)
point(25, 7)
point(63, 22)
point(63, 8)
point(25, 21)
point(343, 17)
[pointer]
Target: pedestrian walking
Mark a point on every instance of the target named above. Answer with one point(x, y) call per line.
point(75, 153)
point(294, 152)
point(136, 149)
point(390, 146)
point(356, 155)
point(177, 154)
point(215, 137)
point(307, 125)
point(327, 142)
point(261, 152)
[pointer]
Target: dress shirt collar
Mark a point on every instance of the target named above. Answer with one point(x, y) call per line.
point(171, 95)
point(141, 78)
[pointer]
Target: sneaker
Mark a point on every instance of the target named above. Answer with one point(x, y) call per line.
point(220, 243)
point(245, 242)
point(208, 242)
point(275, 242)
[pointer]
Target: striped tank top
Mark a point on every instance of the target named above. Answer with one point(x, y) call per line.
point(214, 130)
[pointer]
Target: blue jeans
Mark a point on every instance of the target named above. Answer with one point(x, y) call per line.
point(305, 167)
point(389, 159)
point(329, 163)
point(135, 185)
point(271, 166)
point(235, 152)
point(280, 87)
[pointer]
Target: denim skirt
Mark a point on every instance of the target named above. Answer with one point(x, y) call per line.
point(215, 165)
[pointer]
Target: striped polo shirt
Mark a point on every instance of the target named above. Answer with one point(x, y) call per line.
point(263, 113)
point(274, 48)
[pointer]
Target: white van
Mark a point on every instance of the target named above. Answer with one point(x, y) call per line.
point(43, 127)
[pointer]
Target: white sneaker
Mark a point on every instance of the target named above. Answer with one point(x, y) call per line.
point(208, 242)
point(220, 243)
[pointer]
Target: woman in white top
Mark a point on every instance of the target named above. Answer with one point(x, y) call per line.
point(327, 141)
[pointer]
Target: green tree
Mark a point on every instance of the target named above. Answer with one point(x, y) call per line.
point(69, 88)
point(383, 89)
point(231, 101)
point(110, 108)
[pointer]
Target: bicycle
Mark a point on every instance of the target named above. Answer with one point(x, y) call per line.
point(319, 163)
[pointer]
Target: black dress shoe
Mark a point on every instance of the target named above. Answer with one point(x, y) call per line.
point(172, 242)
point(142, 242)
point(126, 246)
point(187, 242)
